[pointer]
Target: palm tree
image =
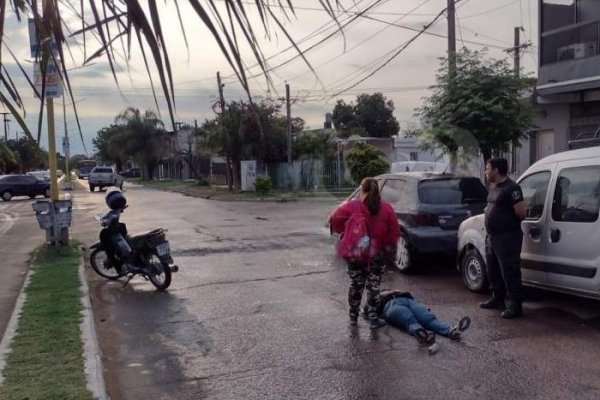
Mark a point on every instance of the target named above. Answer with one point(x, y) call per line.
point(118, 23)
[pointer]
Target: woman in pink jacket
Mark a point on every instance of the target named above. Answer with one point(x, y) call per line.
point(384, 232)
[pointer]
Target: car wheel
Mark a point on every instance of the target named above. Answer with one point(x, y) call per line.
point(473, 271)
point(405, 261)
point(32, 196)
point(92, 188)
point(6, 196)
point(47, 193)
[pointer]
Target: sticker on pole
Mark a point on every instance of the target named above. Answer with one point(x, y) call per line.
point(53, 82)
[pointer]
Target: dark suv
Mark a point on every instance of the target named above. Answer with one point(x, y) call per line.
point(430, 208)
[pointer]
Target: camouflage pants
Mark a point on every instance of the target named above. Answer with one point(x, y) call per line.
point(361, 276)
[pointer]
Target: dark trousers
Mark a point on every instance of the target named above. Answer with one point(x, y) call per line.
point(503, 264)
point(362, 276)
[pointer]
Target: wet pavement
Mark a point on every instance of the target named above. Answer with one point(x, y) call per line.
point(258, 311)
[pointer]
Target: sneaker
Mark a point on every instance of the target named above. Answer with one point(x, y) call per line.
point(425, 337)
point(376, 323)
point(353, 320)
point(512, 312)
point(493, 304)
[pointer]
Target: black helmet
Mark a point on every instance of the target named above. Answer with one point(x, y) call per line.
point(115, 200)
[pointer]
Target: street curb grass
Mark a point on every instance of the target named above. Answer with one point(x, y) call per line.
point(46, 355)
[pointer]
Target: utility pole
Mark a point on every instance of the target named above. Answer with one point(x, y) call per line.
point(4, 114)
point(517, 51)
point(451, 38)
point(222, 103)
point(289, 123)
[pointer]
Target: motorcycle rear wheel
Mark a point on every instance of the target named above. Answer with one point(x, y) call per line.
point(159, 272)
point(98, 260)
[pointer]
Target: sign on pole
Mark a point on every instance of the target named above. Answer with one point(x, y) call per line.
point(34, 41)
point(53, 82)
point(248, 175)
point(66, 146)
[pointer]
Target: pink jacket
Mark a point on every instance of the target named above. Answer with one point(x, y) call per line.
point(384, 226)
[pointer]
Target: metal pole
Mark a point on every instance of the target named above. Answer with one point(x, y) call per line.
point(517, 50)
point(52, 149)
point(451, 38)
point(5, 126)
point(289, 123)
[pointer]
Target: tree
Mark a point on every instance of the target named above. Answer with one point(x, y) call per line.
point(372, 115)
point(119, 24)
point(142, 137)
point(312, 145)
point(365, 161)
point(8, 159)
point(111, 145)
point(28, 155)
point(481, 109)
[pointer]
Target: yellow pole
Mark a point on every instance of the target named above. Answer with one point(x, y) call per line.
point(52, 149)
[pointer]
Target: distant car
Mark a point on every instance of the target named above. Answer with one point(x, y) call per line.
point(561, 230)
point(430, 207)
point(22, 185)
point(131, 173)
point(41, 175)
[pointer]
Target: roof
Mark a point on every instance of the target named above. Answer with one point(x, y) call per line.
point(589, 152)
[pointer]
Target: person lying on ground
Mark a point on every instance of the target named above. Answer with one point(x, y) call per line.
point(401, 310)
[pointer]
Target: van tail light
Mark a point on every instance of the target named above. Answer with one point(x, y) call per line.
point(424, 219)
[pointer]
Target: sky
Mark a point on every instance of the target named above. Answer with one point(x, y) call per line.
point(340, 61)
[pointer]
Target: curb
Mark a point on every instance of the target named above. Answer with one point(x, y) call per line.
point(91, 350)
point(13, 323)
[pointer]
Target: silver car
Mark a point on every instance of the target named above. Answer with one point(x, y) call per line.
point(561, 241)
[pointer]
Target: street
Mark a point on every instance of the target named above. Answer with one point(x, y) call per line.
point(258, 310)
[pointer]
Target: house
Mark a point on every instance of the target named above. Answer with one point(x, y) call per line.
point(568, 88)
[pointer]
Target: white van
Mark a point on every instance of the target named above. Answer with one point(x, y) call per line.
point(561, 233)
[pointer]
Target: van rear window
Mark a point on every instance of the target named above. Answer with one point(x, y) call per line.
point(103, 170)
point(452, 191)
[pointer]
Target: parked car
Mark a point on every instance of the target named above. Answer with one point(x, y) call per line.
point(22, 185)
point(101, 177)
point(131, 173)
point(561, 231)
point(430, 207)
point(40, 175)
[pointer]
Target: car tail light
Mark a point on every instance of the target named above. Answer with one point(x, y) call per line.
point(424, 219)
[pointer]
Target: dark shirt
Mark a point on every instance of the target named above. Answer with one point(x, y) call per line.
point(500, 215)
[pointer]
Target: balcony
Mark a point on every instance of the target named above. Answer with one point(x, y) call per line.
point(570, 59)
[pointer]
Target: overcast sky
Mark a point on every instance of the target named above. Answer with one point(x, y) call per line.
point(340, 61)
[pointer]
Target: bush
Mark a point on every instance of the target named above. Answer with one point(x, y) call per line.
point(263, 185)
point(203, 182)
point(365, 161)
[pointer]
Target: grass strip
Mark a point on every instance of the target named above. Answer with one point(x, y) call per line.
point(46, 357)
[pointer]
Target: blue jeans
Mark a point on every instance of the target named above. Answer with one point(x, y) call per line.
point(411, 315)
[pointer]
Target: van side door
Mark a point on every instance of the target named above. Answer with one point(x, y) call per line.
point(535, 188)
point(573, 229)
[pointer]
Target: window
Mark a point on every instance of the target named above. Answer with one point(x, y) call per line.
point(103, 170)
point(414, 156)
point(588, 10)
point(557, 14)
point(535, 189)
point(577, 195)
point(452, 191)
point(392, 190)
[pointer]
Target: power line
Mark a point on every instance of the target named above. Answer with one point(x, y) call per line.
point(491, 10)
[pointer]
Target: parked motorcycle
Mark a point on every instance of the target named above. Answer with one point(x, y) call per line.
point(119, 255)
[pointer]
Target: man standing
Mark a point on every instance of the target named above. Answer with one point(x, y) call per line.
point(503, 215)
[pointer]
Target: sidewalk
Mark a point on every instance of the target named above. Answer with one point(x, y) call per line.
point(15, 245)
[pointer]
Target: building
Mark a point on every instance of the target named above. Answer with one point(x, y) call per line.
point(568, 87)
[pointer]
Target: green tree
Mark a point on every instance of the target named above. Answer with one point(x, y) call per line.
point(365, 161)
point(480, 109)
point(8, 159)
point(312, 145)
point(372, 115)
point(111, 145)
point(28, 154)
point(143, 138)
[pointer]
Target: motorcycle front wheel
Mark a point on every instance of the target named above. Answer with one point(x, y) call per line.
point(159, 273)
point(101, 264)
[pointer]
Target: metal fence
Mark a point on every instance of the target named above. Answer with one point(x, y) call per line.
point(310, 175)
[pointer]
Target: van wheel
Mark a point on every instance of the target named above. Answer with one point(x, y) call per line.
point(92, 188)
point(473, 271)
point(405, 256)
point(47, 193)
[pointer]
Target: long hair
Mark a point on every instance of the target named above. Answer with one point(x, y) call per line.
point(370, 187)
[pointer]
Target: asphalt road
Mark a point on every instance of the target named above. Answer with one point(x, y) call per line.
point(258, 311)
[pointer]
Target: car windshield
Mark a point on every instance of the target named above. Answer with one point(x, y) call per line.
point(103, 170)
point(452, 191)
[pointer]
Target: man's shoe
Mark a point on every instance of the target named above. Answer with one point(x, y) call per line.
point(457, 329)
point(493, 304)
point(425, 337)
point(353, 321)
point(376, 323)
point(512, 312)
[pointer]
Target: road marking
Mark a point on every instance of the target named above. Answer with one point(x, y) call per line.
point(6, 222)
